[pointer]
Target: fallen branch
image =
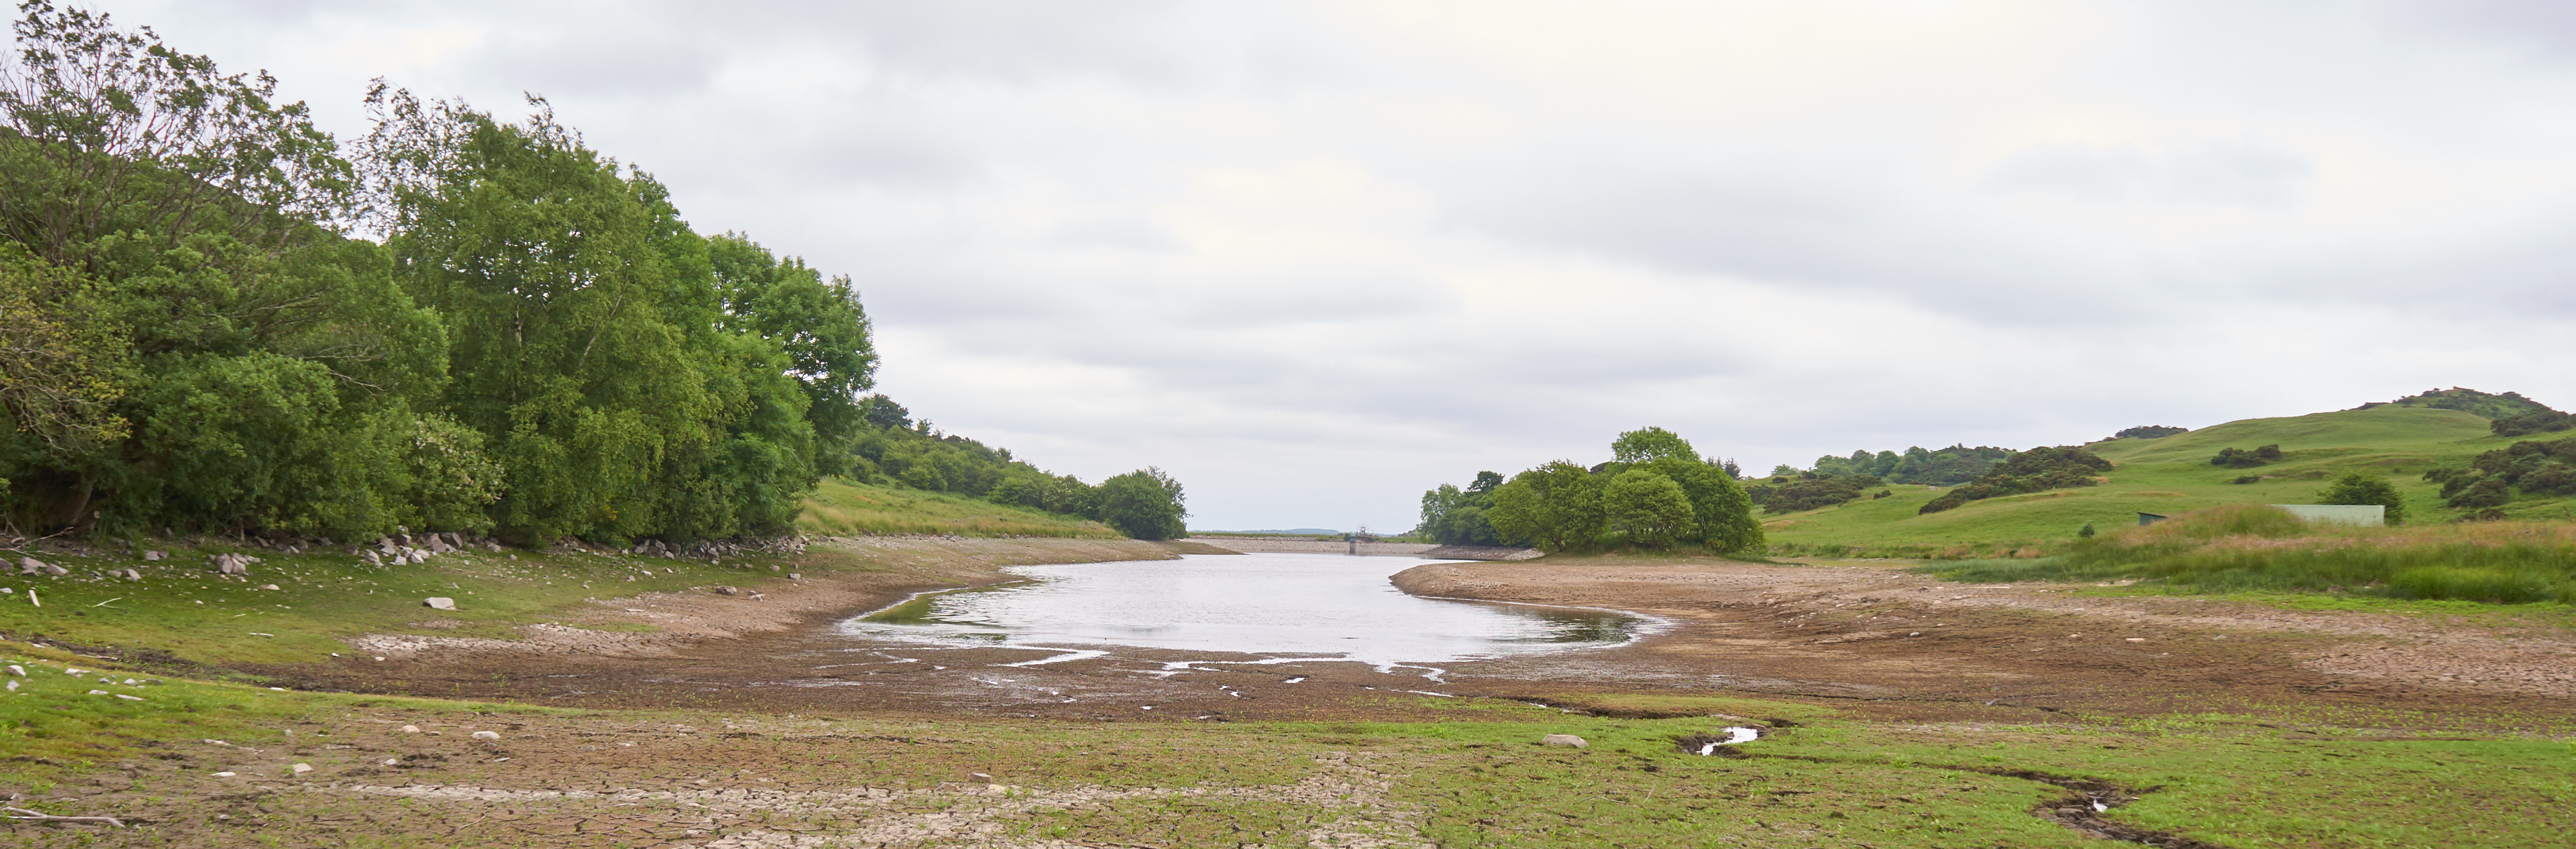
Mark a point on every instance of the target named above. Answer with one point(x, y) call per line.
point(24, 814)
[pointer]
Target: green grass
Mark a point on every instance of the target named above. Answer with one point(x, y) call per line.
point(846, 508)
point(2256, 547)
point(2167, 476)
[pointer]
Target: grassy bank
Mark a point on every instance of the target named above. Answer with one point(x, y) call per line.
point(2166, 476)
point(2250, 547)
point(1478, 778)
point(845, 508)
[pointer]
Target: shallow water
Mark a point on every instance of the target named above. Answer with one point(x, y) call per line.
point(1281, 605)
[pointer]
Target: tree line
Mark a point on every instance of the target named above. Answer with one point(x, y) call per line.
point(1655, 493)
point(215, 318)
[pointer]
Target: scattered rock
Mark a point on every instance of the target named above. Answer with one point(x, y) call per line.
point(17, 670)
point(487, 735)
point(268, 586)
point(792, 576)
point(30, 566)
point(133, 575)
point(232, 564)
point(438, 602)
point(155, 555)
point(726, 591)
point(1564, 740)
point(2136, 639)
point(374, 559)
point(301, 769)
point(411, 729)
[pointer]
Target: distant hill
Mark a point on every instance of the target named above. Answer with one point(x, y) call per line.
point(2376, 425)
point(2170, 474)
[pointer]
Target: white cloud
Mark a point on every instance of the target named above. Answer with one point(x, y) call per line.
point(1315, 258)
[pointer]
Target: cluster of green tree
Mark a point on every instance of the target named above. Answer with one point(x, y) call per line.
point(2528, 468)
point(532, 342)
point(893, 449)
point(1655, 493)
point(1453, 516)
point(2035, 470)
point(1807, 491)
point(2239, 458)
point(1943, 467)
point(2150, 432)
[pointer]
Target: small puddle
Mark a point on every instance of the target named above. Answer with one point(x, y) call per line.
point(1706, 745)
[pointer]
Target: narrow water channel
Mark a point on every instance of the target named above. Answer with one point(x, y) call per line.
point(1306, 606)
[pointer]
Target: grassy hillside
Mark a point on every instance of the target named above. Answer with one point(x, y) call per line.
point(2377, 427)
point(844, 508)
point(2170, 475)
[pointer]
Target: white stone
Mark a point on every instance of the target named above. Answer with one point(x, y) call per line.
point(301, 769)
point(487, 735)
point(411, 729)
point(1564, 740)
point(438, 602)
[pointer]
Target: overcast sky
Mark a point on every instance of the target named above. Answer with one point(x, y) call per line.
point(1314, 258)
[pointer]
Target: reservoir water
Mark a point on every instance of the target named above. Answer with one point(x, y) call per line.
point(1283, 606)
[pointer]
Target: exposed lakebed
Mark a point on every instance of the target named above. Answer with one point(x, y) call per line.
point(1276, 606)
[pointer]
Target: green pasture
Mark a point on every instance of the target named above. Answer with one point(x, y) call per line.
point(2166, 476)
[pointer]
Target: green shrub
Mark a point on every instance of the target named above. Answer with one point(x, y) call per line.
point(2238, 458)
point(2360, 487)
point(2035, 470)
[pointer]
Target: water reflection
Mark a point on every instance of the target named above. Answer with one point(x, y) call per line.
point(1301, 605)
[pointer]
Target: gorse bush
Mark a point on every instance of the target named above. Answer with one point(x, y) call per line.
point(2149, 432)
point(2238, 458)
point(2036, 470)
point(2492, 479)
point(1806, 491)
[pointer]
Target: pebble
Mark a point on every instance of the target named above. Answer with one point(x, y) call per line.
point(411, 729)
point(17, 670)
point(438, 603)
point(392, 761)
point(301, 769)
point(487, 735)
point(225, 774)
point(1564, 740)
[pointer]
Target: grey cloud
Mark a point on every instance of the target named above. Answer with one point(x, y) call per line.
point(2221, 174)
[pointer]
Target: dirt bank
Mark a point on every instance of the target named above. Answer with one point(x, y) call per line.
point(1874, 630)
